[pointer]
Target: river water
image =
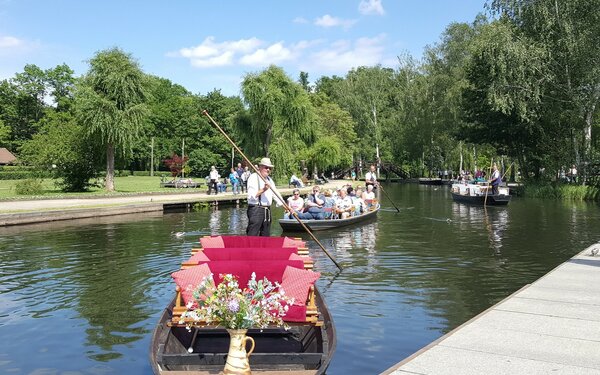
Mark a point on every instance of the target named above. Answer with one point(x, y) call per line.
point(82, 297)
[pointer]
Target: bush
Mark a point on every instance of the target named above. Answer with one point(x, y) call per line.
point(563, 191)
point(156, 173)
point(30, 186)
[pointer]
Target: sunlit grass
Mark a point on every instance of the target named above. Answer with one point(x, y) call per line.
point(123, 185)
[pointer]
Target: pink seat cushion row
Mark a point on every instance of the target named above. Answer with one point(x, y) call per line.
point(295, 256)
point(250, 253)
point(189, 279)
point(258, 241)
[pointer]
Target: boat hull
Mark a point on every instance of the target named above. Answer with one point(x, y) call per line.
point(303, 349)
point(491, 200)
point(292, 225)
point(430, 181)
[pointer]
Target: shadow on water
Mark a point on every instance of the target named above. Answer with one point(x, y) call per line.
point(83, 296)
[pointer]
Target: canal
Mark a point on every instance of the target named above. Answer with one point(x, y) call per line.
point(82, 297)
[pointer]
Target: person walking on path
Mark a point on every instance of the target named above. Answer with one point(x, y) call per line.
point(260, 198)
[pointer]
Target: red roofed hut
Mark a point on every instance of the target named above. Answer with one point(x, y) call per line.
point(6, 157)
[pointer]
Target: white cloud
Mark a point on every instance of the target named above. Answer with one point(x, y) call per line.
point(329, 21)
point(212, 54)
point(273, 54)
point(300, 20)
point(10, 42)
point(368, 7)
point(342, 55)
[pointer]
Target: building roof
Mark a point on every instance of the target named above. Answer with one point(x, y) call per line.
point(6, 157)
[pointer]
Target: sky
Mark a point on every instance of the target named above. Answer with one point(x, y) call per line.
point(207, 45)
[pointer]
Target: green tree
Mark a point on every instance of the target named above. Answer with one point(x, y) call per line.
point(62, 148)
point(110, 104)
point(277, 123)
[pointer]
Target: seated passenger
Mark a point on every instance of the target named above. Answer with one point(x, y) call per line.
point(344, 205)
point(368, 196)
point(296, 203)
point(315, 204)
point(359, 204)
point(329, 205)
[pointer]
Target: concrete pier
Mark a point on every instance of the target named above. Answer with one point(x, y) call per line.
point(549, 327)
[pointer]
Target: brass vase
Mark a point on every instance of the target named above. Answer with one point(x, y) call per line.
point(237, 358)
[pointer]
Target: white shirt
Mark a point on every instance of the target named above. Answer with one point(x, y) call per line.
point(370, 176)
point(255, 183)
point(214, 174)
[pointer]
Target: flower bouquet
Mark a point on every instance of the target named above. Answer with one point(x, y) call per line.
point(258, 305)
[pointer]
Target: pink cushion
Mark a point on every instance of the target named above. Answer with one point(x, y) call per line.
point(295, 313)
point(199, 257)
point(297, 282)
point(188, 280)
point(257, 241)
point(251, 253)
point(295, 256)
point(239, 269)
point(212, 241)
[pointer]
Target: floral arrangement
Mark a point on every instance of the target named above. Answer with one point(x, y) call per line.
point(229, 306)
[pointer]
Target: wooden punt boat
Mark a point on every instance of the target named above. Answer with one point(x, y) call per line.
point(302, 350)
point(476, 195)
point(292, 225)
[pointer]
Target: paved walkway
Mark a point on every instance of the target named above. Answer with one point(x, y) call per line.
point(549, 327)
point(40, 210)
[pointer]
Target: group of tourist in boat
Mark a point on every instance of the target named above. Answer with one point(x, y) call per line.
point(342, 203)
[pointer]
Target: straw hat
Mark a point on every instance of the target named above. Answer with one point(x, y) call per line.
point(266, 162)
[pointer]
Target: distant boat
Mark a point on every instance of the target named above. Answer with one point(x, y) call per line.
point(430, 181)
point(476, 194)
point(292, 225)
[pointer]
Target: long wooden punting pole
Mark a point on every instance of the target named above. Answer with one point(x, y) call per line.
point(488, 188)
point(274, 192)
point(388, 197)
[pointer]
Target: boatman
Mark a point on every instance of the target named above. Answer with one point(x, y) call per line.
point(496, 180)
point(260, 198)
point(371, 177)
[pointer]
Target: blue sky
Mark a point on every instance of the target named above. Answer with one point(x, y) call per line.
point(203, 45)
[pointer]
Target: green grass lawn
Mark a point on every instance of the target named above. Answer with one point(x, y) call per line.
point(123, 185)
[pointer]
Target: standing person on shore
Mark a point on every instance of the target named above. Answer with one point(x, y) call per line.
point(371, 177)
point(214, 178)
point(244, 179)
point(235, 181)
point(260, 198)
point(240, 171)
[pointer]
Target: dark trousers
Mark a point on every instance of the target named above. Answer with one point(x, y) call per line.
point(213, 186)
point(494, 189)
point(259, 221)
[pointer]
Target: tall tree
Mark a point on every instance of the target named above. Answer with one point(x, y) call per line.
point(278, 120)
point(569, 33)
point(110, 103)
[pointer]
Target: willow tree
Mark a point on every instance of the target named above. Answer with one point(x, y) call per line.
point(277, 123)
point(110, 104)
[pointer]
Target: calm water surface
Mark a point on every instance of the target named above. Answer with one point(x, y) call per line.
point(82, 297)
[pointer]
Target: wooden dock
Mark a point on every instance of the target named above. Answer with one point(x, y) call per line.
point(549, 327)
